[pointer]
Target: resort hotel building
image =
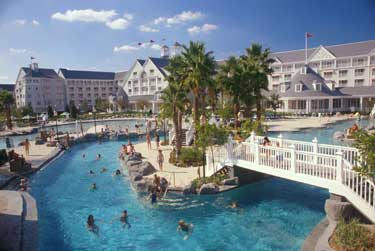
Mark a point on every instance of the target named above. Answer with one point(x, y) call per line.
point(326, 79)
point(338, 78)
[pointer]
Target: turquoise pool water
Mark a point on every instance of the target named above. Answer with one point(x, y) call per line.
point(324, 135)
point(275, 214)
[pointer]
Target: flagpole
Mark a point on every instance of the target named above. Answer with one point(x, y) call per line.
point(306, 48)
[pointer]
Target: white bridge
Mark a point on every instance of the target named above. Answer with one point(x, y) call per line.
point(321, 165)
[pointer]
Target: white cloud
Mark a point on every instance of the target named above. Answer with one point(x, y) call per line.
point(128, 48)
point(20, 22)
point(35, 23)
point(118, 24)
point(125, 48)
point(183, 17)
point(145, 28)
point(128, 16)
point(17, 51)
point(206, 28)
point(107, 17)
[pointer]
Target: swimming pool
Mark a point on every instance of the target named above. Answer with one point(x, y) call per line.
point(324, 135)
point(275, 214)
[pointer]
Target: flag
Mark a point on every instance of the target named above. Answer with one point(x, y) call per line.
point(151, 41)
point(308, 35)
point(32, 58)
point(139, 44)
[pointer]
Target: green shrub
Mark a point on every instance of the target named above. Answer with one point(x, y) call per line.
point(190, 156)
point(352, 236)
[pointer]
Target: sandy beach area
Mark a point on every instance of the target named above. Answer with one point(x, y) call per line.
point(296, 124)
point(176, 176)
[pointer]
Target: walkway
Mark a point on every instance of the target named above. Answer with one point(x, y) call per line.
point(325, 166)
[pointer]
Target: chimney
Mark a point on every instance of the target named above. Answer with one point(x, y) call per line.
point(34, 67)
point(165, 51)
point(177, 48)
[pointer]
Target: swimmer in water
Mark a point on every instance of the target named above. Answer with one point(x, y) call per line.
point(91, 172)
point(117, 173)
point(98, 157)
point(124, 219)
point(91, 224)
point(84, 156)
point(103, 170)
point(185, 228)
point(234, 205)
point(93, 187)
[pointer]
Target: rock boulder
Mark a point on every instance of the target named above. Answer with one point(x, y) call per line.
point(231, 181)
point(209, 188)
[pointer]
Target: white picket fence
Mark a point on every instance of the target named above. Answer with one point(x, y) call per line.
point(322, 165)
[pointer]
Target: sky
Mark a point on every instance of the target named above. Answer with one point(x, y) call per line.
point(104, 35)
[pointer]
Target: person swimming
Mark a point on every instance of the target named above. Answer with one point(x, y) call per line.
point(234, 205)
point(124, 219)
point(84, 156)
point(91, 224)
point(93, 187)
point(91, 172)
point(117, 173)
point(98, 157)
point(185, 228)
point(103, 170)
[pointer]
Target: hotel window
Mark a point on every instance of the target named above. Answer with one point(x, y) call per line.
point(135, 82)
point(327, 64)
point(337, 103)
point(283, 88)
point(317, 87)
point(96, 88)
point(275, 87)
point(276, 68)
point(372, 60)
point(159, 88)
point(130, 90)
point(136, 89)
point(314, 65)
point(359, 61)
point(359, 82)
point(343, 82)
point(373, 71)
point(298, 88)
point(298, 66)
point(359, 72)
point(287, 77)
point(88, 89)
point(373, 82)
point(135, 73)
point(145, 89)
point(343, 62)
point(159, 79)
point(287, 68)
point(328, 74)
point(88, 95)
point(275, 78)
point(153, 88)
point(71, 88)
point(151, 71)
point(80, 89)
point(343, 73)
point(103, 88)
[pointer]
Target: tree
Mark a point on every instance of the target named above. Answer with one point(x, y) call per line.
point(365, 143)
point(198, 69)
point(274, 101)
point(142, 104)
point(85, 106)
point(50, 111)
point(175, 99)
point(208, 137)
point(67, 108)
point(258, 64)
point(101, 105)
point(73, 111)
point(6, 102)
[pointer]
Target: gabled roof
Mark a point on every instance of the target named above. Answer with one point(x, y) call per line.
point(40, 73)
point(341, 50)
point(160, 63)
point(72, 74)
point(141, 61)
point(120, 75)
point(7, 87)
point(307, 80)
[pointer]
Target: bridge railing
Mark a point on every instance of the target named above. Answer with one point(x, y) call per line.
point(349, 153)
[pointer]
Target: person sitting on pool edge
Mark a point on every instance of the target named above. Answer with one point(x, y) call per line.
point(186, 228)
point(91, 224)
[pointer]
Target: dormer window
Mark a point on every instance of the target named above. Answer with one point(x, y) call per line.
point(317, 86)
point(298, 88)
point(304, 69)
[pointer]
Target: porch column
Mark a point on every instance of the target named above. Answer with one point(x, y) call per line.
point(361, 104)
point(307, 105)
point(153, 107)
point(330, 105)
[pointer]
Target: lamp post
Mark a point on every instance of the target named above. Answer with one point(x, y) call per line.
point(57, 127)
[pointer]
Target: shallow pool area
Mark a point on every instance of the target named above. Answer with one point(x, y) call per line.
point(274, 214)
point(324, 135)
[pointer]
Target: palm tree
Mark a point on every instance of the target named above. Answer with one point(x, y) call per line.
point(274, 101)
point(6, 102)
point(175, 98)
point(258, 64)
point(199, 67)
